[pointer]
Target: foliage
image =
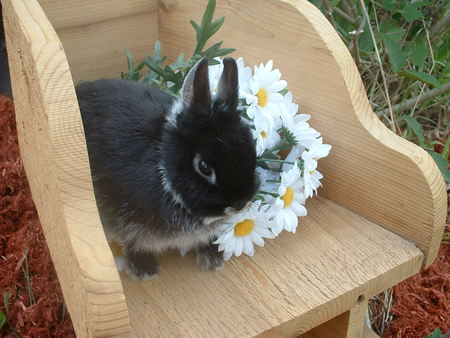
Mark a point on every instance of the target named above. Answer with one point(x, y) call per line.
point(408, 85)
point(154, 71)
point(435, 334)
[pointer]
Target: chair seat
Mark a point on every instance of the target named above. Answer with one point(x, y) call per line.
point(294, 283)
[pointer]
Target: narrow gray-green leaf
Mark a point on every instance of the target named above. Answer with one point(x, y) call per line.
point(2, 319)
point(209, 13)
point(224, 51)
point(215, 26)
point(420, 76)
point(157, 48)
point(196, 26)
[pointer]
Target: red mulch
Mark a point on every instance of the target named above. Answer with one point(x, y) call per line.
point(422, 302)
point(20, 235)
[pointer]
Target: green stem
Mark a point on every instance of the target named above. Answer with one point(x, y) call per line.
point(278, 161)
point(267, 193)
point(273, 181)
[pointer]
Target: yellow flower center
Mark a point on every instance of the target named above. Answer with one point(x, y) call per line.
point(311, 172)
point(288, 197)
point(263, 97)
point(244, 228)
point(263, 134)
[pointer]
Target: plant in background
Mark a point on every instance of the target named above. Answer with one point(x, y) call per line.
point(402, 49)
point(268, 108)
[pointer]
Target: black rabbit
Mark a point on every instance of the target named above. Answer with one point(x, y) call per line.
point(165, 169)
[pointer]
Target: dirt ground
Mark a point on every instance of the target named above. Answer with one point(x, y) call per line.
point(31, 296)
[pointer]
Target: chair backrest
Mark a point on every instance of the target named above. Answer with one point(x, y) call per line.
point(53, 150)
point(95, 34)
point(370, 170)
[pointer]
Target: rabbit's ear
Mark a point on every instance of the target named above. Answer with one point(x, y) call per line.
point(195, 89)
point(229, 84)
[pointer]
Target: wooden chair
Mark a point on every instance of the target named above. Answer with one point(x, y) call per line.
point(378, 220)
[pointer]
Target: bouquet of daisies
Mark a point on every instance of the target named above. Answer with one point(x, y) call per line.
point(285, 183)
point(268, 106)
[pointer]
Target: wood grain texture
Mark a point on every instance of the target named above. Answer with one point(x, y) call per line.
point(95, 34)
point(54, 153)
point(350, 324)
point(295, 283)
point(370, 170)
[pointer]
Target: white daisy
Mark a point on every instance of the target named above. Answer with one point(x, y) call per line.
point(244, 74)
point(310, 157)
point(289, 206)
point(264, 96)
point(215, 72)
point(265, 139)
point(288, 109)
point(311, 181)
point(242, 230)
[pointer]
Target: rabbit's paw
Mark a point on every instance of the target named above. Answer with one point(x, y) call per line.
point(209, 258)
point(141, 267)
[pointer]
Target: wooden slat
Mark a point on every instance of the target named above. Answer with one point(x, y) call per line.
point(54, 154)
point(350, 324)
point(95, 34)
point(293, 284)
point(370, 170)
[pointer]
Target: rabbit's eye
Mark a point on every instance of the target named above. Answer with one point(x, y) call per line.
point(204, 168)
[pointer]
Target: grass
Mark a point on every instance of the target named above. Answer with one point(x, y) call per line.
point(401, 49)
point(26, 273)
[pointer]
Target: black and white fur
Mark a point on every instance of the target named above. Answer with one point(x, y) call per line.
point(144, 149)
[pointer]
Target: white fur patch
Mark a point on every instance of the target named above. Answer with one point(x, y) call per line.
point(182, 241)
point(168, 187)
point(176, 109)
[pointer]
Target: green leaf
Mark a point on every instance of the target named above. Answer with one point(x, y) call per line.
point(416, 128)
point(392, 30)
point(6, 301)
point(418, 52)
point(412, 12)
point(447, 5)
point(420, 76)
point(3, 319)
point(388, 5)
point(209, 12)
point(212, 62)
point(435, 334)
point(365, 40)
point(446, 148)
point(443, 167)
point(397, 56)
point(224, 51)
point(289, 136)
point(215, 26)
point(213, 48)
point(196, 26)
